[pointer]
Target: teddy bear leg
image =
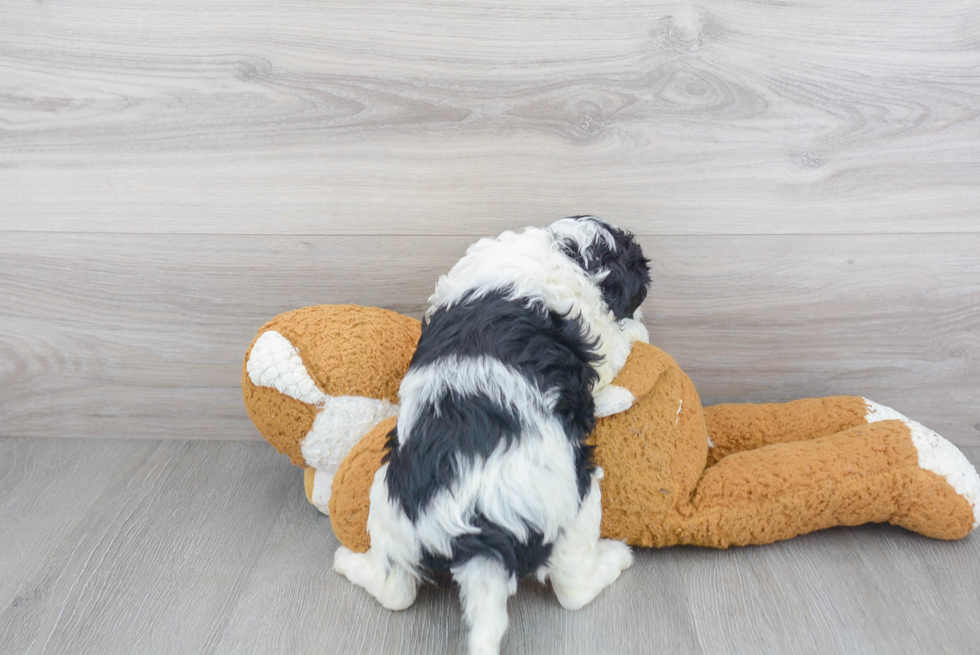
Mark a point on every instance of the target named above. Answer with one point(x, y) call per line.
point(890, 470)
point(582, 564)
point(937, 455)
point(734, 428)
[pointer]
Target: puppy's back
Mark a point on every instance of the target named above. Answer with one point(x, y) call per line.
point(488, 453)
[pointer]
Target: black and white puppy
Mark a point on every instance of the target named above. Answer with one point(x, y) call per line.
point(488, 475)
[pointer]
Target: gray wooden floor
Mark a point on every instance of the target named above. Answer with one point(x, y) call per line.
point(128, 546)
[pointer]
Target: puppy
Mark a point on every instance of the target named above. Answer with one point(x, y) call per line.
point(488, 475)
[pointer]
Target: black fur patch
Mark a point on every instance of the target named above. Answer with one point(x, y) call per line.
point(624, 288)
point(518, 557)
point(470, 425)
point(549, 349)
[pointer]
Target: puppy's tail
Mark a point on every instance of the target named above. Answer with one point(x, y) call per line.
point(484, 587)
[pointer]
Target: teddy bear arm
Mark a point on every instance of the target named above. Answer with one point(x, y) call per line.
point(734, 428)
point(878, 472)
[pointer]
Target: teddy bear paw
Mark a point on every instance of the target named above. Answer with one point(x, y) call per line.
point(612, 400)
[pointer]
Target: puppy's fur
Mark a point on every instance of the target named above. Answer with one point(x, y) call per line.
point(488, 475)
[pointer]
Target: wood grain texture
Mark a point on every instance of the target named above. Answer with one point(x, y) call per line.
point(142, 335)
point(153, 562)
point(177, 547)
point(301, 117)
point(47, 487)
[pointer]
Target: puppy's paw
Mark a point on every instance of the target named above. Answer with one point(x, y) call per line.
point(483, 649)
point(612, 558)
point(395, 589)
point(616, 553)
point(634, 329)
point(612, 400)
point(577, 590)
point(351, 565)
point(359, 568)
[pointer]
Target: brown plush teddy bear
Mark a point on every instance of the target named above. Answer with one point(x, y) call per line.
point(321, 383)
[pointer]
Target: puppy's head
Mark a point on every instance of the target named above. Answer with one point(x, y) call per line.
point(610, 255)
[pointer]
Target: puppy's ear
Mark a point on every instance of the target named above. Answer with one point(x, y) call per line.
point(611, 256)
point(583, 239)
point(571, 249)
point(625, 286)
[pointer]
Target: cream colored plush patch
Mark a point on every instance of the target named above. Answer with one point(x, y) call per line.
point(878, 412)
point(613, 400)
point(275, 363)
point(322, 485)
point(340, 424)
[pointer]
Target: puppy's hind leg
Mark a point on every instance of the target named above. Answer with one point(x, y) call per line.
point(392, 585)
point(484, 587)
point(385, 570)
point(582, 564)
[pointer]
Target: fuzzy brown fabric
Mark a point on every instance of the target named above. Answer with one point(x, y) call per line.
point(652, 454)
point(351, 350)
point(351, 489)
point(866, 474)
point(734, 428)
point(282, 420)
point(309, 475)
point(348, 350)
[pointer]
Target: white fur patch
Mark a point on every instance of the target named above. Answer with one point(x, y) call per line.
point(275, 363)
point(936, 454)
point(394, 539)
point(484, 586)
point(633, 329)
point(582, 564)
point(943, 458)
point(394, 587)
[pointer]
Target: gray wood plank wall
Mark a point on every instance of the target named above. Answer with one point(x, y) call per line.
point(805, 176)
